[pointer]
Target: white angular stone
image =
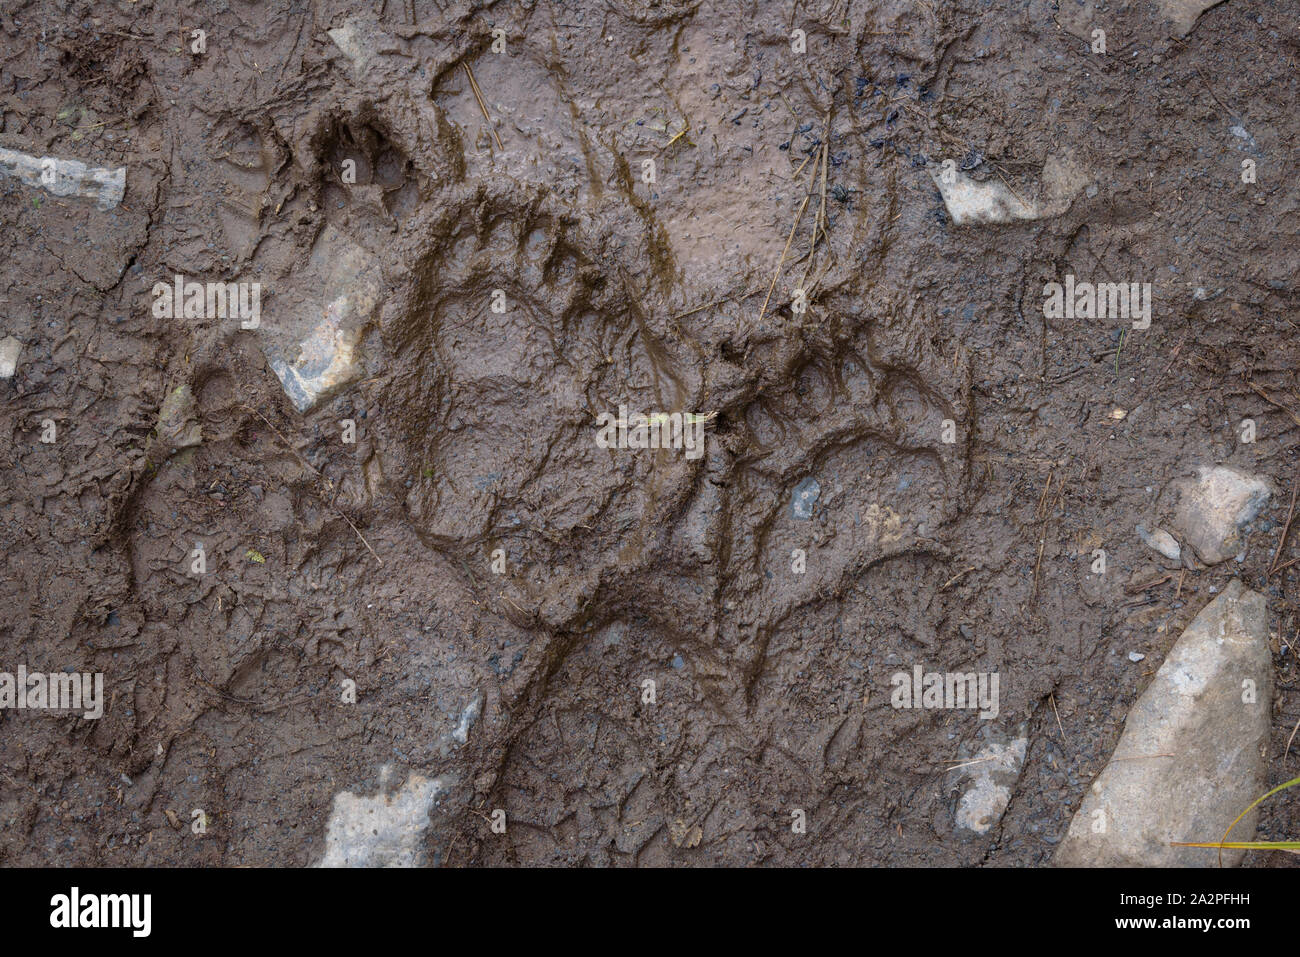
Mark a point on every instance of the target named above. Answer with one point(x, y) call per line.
point(1193, 754)
point(385, 830)
point(972, 202)
point(986, 779)
point(314, 350)
point(62, 177)
point(1213, 507)
point(9, 351)
point(362, 42)
point(1161, 541)
point(467, 719)
point(1183, 14)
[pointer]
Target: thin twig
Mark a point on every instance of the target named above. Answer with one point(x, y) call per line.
point(1172, 359)
point(1042, 529)
point(1039, 511)
point(478, 95)
point(1141, 757)
point(964, 571)
point(691, 312)
point(789, 239)
point(358, 531)
point(1232, 113)
point(287, 444)
point(1138, 587)
point(997, 171)
point(1286, 530)
point(1038, 563)
point(826, 148)
point(966, 764)
point(1271, 401)
point(817, 223)
point(1059, 727)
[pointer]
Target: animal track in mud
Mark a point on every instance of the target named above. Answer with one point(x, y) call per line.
point(487, 436)
point(871, 439)
point(734, 655)
point(252, 175)
point(493, 408)
point(495, 412)
point(365, 166)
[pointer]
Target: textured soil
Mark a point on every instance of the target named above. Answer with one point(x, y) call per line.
point(475, 429)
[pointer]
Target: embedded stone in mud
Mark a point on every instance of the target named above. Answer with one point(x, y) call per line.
point(1194, 750)
point(1213, 508)
point(315, 350)
point(1161, 541)
point(66, 177)
point(987, 777)
point(9, 351)
point(383, 830)
point(972, 202)
point(359, 42)
point(1183, 14)
point(178, 426)
point(804, 498)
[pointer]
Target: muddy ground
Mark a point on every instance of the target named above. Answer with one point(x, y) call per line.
point(475, 428)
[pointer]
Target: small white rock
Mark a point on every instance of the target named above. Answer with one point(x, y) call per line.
point(384, 830)
point(1161, 541)
point(9, 349)
point(971, 202)
point(467, 719)
point(986, 779)
point(65, 177)
point(316, 351)
point(1213, 507)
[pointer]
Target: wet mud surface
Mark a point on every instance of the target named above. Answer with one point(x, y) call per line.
point(825, 431)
